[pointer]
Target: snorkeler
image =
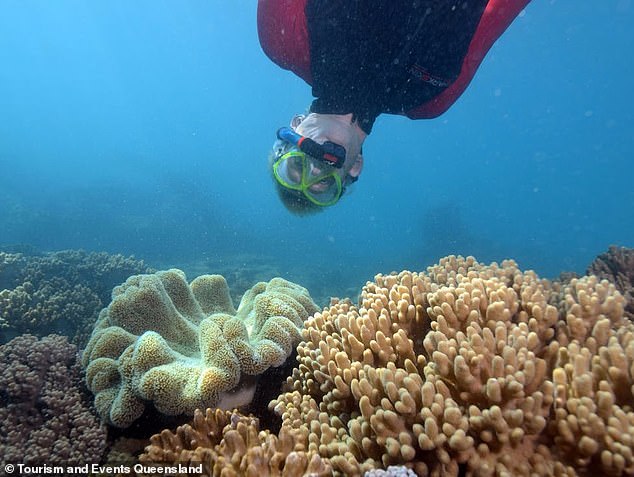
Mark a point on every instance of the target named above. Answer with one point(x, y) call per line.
point(413, 58)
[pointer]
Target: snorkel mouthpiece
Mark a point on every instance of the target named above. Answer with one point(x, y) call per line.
point(328, 152)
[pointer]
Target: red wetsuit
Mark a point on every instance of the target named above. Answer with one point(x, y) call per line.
point(368, 57)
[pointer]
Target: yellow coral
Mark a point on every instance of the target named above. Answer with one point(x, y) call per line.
point(184, 346)
point(460, 367)
point(594, 415)
point(230, 444)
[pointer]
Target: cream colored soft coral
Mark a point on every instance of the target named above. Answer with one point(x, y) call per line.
point(184, 346)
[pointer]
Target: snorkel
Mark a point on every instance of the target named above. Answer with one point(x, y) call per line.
point(330, 153)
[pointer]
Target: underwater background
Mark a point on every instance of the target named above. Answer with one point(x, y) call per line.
point(143, 128)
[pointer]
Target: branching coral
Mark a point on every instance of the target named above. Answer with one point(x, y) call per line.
point(184, 346)
point(481, 368)
point(53, 306)
point(230, 444)
point(58, 292)
point(44, 416)
point(593, 422)
point(617, 266)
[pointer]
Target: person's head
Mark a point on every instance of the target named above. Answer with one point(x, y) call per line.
point(307, 184)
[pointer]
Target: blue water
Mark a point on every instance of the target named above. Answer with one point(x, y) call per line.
point(143, 128)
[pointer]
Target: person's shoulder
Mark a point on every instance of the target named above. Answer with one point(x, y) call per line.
point(283, 34)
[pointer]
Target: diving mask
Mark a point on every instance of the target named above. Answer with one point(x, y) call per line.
point(308, 167)
point(319, 183)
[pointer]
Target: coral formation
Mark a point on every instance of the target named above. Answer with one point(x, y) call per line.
point(617, 266)
point(59, 292)
point(469, 368)
point(230, 444)
point(45, 418)
point(123, 452)
point(54, 306)
point(184, 346)
point(244, 269)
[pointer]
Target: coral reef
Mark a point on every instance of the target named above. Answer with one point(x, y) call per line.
point(184, 346)
point(60, 292)
point(230, 444)
point(469, 368)
point(45, 418)
point(124, 451)
point(617, 266)
point(243, 269)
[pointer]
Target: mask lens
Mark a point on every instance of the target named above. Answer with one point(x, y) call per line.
point(325, 190)
point(289, 168)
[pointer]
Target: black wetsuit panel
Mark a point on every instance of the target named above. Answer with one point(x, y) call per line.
point(386, 56)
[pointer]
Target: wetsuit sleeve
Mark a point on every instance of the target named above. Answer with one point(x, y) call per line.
point(497, 16)
point(284, 35)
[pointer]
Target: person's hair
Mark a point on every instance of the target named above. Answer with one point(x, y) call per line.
point(294, 201)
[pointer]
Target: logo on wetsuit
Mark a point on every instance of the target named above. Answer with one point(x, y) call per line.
point(422, 74)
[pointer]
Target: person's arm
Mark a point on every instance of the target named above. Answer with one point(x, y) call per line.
point(284, 35)
point(497, 16)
